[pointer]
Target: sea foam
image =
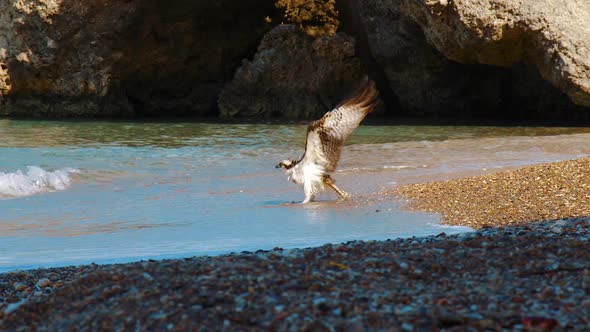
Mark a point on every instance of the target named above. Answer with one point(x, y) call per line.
point(36, 180)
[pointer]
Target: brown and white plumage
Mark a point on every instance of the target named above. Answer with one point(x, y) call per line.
point(325, 140)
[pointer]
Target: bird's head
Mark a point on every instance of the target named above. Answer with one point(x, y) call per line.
point(286, 164)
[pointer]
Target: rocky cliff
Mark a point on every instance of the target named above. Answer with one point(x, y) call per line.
point(123, 58)
point(526, 59)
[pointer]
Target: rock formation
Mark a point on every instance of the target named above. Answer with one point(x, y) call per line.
point(553, 36)
point(63, 58)
point(429, 78)
point(301, 69)
point(418, 74)
point(293, 75)
point(517, 59)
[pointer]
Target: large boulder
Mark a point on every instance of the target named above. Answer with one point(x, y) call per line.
point(553, 36)
point(293, 75)
point(123, 58)
point(428, 82)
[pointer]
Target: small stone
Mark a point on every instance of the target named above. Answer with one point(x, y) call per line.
point(158, 315)
point(43, 282)
point(475, 316)
point(319, 300)
point(405, 310)
point(13, 306)
point(19, 286)
point(407, 327)
point(560, 222)
point(23, 57)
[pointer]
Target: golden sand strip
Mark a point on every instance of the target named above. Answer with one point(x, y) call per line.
point(540, 192)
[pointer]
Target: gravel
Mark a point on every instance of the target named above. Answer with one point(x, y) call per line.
point(540, 192)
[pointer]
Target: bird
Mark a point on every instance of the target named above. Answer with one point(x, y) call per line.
point(324, 142)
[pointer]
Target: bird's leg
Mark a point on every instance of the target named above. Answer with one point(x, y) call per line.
point(309, 192)
point(307, 200)
point(332, 184)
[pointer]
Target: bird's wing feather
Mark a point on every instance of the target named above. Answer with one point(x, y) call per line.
point(326, 136)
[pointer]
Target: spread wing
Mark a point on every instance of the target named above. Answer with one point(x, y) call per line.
point(326, 136)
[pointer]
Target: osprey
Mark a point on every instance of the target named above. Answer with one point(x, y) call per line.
point(324, 142)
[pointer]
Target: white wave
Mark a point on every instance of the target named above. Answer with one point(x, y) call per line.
point(36, 180)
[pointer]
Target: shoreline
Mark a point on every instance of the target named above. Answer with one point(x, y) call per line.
point(547, 191)
point(517, 277)
point(508, 274)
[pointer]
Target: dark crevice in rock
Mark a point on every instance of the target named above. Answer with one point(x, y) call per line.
point(352, 24)
point(187, 51)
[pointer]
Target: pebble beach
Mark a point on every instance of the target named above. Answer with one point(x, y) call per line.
point(526, 267)
point(540, 192)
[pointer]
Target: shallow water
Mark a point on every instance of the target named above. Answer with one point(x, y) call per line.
point(81, 192)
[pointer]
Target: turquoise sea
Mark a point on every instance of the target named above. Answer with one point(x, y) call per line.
point(104, 192)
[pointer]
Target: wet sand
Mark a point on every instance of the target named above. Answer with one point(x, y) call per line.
point(512, 273)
